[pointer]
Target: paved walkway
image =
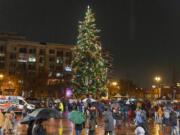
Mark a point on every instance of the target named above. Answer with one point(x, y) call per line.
point(65, 127)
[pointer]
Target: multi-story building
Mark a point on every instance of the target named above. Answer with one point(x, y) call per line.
point(18, 55)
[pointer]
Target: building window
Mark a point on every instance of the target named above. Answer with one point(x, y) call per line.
point(12, 56)
point(68, 62)
point(42, 52)
point(2, 49)
point(32, 67)
point(22, 66)
point(41, 68)
point(32, 59)
point(68, 54)
point(51, 59)
point(12, 65)
point(59, 61)
point(2, 58)
point(13, 48)
point(51, 67)
point(59, 68)
point(59, 75)
point(51, 51)
point(59, 53)
point(41, 59)
point(22, 58)
point(2, 65)
point(22, 50)
point(32, 51)
point(50, 74)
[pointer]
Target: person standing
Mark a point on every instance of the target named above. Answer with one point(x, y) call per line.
point(13, 119)
point(1, 120)
point(78, 128)
point(61, 108)
point(173, 122)
point(109, 122)
point(7, 124)
point(92, 125)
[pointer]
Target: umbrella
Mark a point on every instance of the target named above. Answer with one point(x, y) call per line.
point(76, 117)
point(57, 101)
point(89, 100)
point(27, 119)
point(45, 113)
point(117, 96)
point(9, 109)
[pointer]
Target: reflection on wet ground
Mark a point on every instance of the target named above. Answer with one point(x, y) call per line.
point(65, 127)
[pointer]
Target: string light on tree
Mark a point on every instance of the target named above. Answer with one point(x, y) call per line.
point(88, 64)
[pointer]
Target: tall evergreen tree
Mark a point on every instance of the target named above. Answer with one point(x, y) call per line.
point(88, 64)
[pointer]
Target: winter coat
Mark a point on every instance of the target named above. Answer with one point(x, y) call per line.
point(173, 118)
point(61, 107)
point(1, 119)
point(160, 113)
point(109, 121)
point(138, 118)
point(8, 123)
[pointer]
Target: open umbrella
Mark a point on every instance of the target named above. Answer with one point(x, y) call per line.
point(27, 119)
point(45, 114)
point(88, 100)
point(76, 117)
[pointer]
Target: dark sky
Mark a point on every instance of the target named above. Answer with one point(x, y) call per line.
point(143, 35)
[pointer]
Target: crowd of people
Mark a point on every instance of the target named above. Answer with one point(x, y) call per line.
point(134, 114)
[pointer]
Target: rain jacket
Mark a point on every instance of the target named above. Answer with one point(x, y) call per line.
point(61, 107)
point(109, 121)
point(173, 118)
point(7, 123)
point(138, 118)
point(160, 113)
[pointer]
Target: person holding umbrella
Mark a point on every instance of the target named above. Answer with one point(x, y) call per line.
point(78, 119)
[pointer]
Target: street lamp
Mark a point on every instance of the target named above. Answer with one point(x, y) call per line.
point(114, 83)
point(1, 76)
point(158, 79)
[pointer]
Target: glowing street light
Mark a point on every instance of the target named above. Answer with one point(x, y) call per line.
point(114, 83)
point(157, 79)
point(1, 76)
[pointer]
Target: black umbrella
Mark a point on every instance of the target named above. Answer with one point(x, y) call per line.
point(27, 119)
point(45, 114)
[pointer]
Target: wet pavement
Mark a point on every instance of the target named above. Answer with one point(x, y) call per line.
point(65, 127)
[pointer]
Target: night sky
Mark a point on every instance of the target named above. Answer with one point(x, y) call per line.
point(142, 35)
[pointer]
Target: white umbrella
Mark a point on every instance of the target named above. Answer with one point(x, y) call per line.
point(88, 100)
point(117, 96)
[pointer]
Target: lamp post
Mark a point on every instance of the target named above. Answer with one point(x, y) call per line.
point(158, 79)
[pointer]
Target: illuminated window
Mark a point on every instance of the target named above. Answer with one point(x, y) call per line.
point(32, 59)
point(59, 75)
point(68, 69)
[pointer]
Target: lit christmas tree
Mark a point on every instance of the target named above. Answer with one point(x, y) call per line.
point(88, 64)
